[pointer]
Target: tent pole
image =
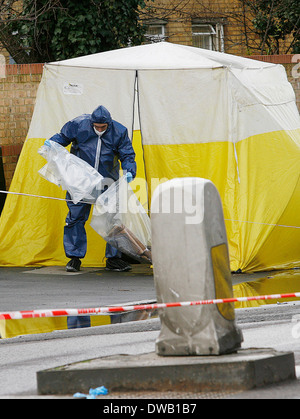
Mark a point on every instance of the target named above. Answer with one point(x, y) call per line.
point(2, 182)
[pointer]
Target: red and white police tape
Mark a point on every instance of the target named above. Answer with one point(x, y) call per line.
point(31, 314)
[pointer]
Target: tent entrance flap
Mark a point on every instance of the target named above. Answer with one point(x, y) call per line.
point(237, 163)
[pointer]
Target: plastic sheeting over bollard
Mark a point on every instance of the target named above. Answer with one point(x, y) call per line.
point(191, 261)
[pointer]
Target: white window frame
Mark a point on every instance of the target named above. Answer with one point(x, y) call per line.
point(215, 37)
point(152, 38)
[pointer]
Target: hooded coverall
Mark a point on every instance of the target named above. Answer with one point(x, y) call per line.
point(103, 153)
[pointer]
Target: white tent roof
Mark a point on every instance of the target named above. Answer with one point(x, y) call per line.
point(159, 56)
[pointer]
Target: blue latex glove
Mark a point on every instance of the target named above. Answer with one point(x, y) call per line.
point(92, 393)
point(98, 391)
point(47, 143)
point(129, 177)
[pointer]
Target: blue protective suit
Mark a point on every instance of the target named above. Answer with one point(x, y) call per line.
point(104, 154)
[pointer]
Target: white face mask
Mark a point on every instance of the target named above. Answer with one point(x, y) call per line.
point(99, 133)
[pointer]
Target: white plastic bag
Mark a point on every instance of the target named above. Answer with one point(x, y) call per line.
point(118, 216)
point(121, 220)
point(73, 174)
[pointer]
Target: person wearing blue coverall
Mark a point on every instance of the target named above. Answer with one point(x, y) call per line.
point(102, 142)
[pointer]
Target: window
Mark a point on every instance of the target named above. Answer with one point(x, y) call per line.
point(156, 32)
point(208, 36)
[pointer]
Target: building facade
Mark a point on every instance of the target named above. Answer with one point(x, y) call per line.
point(219, 25)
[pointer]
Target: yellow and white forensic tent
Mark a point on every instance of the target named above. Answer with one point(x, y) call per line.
point(191, 113)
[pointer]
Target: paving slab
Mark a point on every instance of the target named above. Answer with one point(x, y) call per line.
point(244, 370)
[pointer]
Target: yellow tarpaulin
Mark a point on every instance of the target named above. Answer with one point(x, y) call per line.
point(13, 328)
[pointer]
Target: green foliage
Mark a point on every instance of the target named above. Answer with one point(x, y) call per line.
point(75, 28)
point(275, 20)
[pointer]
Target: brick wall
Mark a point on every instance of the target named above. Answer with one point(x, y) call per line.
point(178, 17)
point(17, 98)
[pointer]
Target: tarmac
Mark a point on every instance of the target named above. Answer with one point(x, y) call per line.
point(275, 326)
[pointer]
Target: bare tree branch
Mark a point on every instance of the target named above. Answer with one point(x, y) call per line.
point(11, 12)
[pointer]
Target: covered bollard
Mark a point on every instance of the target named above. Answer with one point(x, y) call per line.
point(2, 183)
point(191, 262)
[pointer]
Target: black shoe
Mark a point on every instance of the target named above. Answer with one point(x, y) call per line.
point(117, 265)
point(73, 265)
